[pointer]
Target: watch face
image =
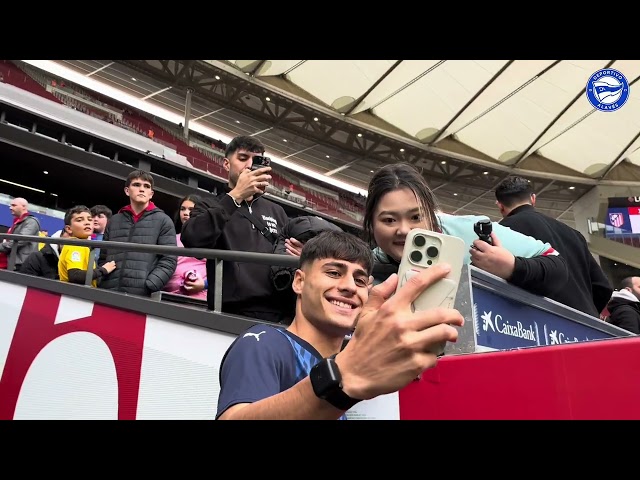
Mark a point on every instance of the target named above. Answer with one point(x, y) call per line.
point(325, 378)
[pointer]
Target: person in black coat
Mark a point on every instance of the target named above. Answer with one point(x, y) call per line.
point(588, 289)
point(240, 218)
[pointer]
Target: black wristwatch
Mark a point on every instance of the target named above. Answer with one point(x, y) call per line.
point(327, 384)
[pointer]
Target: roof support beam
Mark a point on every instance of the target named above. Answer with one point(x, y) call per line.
point(443, 130)
point(480, 196)
point(99, 69)
point(372, 88)
point(526, 151)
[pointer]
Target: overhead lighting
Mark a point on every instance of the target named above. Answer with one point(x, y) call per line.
point(170, 116)
point(315, 119)
point(359, 134)
point(328, 156)
point(486, 173)
point(133, 79)
point(443, 162)
point(284, 139)
point(45, 172)
point(267, 99)
point(402, 149)
point(572, 188)
point(22, 186)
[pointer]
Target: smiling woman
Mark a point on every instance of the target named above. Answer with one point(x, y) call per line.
point(399, 200)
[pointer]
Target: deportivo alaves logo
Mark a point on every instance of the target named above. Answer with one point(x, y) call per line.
point(500, 325)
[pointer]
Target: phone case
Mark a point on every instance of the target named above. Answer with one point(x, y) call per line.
point(260, 162)
point(423, 249)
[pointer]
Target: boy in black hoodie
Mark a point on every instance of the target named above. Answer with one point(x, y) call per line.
point(220, 223)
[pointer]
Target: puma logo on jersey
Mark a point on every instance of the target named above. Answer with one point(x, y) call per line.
point(257, 335)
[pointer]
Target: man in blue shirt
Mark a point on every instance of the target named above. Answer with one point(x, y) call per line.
point(300, 373)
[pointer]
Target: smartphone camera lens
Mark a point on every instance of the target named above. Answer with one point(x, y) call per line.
point(419, 241)
point(416, 256)
point(432, 251)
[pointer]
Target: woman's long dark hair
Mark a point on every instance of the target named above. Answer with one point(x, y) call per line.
point(176, 218)
point(394, 177)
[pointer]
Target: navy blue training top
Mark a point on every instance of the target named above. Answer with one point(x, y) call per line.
point(262, 362)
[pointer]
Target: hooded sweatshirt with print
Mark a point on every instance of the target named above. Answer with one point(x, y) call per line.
point(217, 222)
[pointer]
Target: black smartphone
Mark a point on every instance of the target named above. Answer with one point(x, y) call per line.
point(260, 162)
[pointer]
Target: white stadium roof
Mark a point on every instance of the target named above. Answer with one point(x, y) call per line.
point(465, 123)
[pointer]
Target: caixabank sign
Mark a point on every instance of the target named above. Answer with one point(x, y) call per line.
point(503, 323)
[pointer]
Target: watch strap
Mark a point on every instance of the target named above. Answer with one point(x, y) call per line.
point(333, 395)
point(341, 400)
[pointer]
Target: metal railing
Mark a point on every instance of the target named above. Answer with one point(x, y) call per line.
point(477, 290)
point(219, 256)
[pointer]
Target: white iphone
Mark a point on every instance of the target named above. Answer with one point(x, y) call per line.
point(424, 249)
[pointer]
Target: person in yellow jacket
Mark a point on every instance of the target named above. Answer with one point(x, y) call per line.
point(74, 260)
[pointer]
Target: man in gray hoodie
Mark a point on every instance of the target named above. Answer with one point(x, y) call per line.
point(24, 223)
point(624, 306)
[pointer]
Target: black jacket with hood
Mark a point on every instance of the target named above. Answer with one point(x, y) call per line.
point(217, 223)
point(624, 311)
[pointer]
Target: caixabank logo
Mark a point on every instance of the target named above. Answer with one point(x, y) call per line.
point(607, 90)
